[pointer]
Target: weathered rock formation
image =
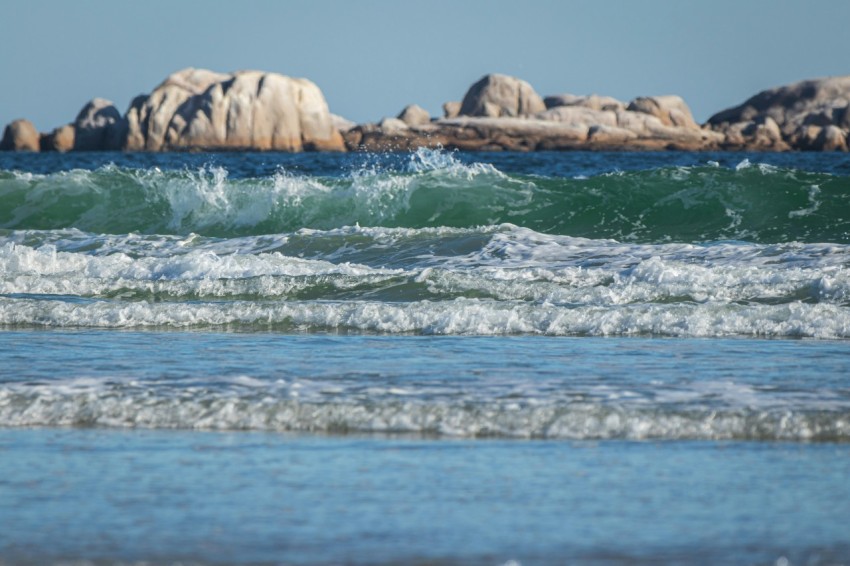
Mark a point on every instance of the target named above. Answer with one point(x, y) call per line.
point(451, 109)
point(391, 125)
point(504, 113)
point(593, 101)
point(20, 135)
point(99, 126)
point(497, 96)
point(149, 116)
point(808, 115)
point(670, 109)
point(60, 139)
point(342, 124)
point(414, 115)
point(198, 109)
point(520, 134)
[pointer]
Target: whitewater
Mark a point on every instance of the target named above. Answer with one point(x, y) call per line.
point(431, 246)
point(435, 357)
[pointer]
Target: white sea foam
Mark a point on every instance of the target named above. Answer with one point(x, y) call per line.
point(276, 408)
point(764, 168)
point(425, 159)
point(46, 261)
point(454, 317)
point(522, 268)
point(814, 204)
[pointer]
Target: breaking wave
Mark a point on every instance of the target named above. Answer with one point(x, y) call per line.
point(755, 203)
point(495, 280)
point(249, 404)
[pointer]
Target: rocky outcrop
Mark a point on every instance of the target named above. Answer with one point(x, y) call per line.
point(60, 139)
point(830, 138)
point(392, 125)
point(807, 115)
point(149, 116)
point(762, 134)
point(578, 115)
point(671, 110)
point(342, 124)
point(497, 96)
point(470, 134)
point(414, 115)
point(593, 101)
point(20, 135)
point(99, 127)
point(525, 134)
point(451, 109)
point(198, 109)
point(496, 115)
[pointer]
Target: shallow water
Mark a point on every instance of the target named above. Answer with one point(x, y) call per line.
point(469, 387)
point(220, 498)
point(436, 357)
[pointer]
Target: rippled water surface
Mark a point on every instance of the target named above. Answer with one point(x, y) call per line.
point(436, 357)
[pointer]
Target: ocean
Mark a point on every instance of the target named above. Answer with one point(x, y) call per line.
point(425, 358)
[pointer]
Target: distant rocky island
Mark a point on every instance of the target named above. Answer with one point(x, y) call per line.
point(201, 110)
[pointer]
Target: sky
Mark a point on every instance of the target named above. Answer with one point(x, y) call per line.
point(373, 57)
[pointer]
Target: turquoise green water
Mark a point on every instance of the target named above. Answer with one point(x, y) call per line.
point(758, 202)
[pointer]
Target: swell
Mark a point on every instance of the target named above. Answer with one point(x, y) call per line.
point(755, 203)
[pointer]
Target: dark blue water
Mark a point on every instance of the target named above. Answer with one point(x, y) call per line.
point(553, 164)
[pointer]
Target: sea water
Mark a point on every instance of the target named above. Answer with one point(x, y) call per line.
point(583, 358)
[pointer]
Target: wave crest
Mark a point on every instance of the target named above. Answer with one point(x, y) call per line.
point(578, 421)
point(433, 189)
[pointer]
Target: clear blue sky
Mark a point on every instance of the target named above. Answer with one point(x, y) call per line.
point(371, 57)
